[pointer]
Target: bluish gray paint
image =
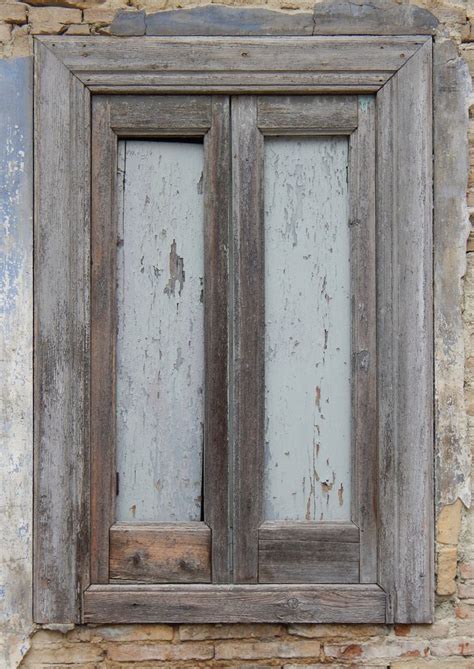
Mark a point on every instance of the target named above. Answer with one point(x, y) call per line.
point(16, 175)
point(308, 332)
point(160, 338)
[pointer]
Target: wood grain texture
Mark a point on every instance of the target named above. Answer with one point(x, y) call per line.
point(133, 114)
point(217, 208)
point(61, 324)
point(249, 340)
point(104, 219)
point(308, 530)
point(160, 330)
point(160, 553)
point(224, 64)
point(405, 341)
point(307, 552)
point(307, 329)
point(311, 113)
point(232, 604)
point(362, 180)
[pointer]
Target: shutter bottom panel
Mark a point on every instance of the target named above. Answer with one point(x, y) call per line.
point(160, 553)
point(308, 552)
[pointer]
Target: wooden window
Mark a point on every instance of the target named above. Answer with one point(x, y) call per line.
point(233, 330)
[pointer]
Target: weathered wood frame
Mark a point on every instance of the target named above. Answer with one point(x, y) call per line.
point(114, 117)
point(398, 70)
point(260, 547)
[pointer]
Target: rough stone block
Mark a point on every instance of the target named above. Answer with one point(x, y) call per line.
point(122, 633)
point(267, 649)
point(52, 20)
point(138, 652)
point(99, 16)
point(13, 13)
point(220, 20)
point(337, 631)
point(128, 23)
point(371, 17)
point(203, 632)
point(449, 523)
point(5, 32)
point(78, 29)
point(447, 563)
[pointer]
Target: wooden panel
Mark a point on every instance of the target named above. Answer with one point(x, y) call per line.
point(217, 181)
point(61, 374)
point(160, 331)
point(161, 553)
point(308, 552)
point(249, 340)
point(87, 56)
point(103, 336)
point(307, 330)
point(235, 604)
point(404, 340)
point(362, 181)
point(308, 531)
point(316, 114)
point(133, 114)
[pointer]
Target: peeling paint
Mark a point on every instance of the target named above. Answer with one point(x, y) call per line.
point(15, 358)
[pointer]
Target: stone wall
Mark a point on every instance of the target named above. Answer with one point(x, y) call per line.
point(449, 642)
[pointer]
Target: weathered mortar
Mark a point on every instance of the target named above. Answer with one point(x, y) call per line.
point(447, 643)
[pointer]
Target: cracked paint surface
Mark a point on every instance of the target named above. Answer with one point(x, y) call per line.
point(160, 344)
point(308, 333)
point(16, 453)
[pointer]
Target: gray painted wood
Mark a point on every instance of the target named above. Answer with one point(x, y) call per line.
point(232, 604)
point(362, 181)
point(312, 114)
point(104, 220)
point(61, 384)
point(132, 115)
point(452, 90)
point(248, 338)
point(222, 20)
point(309, 531)
point(374, 17)
point(217, 208)
point(405, 340)
point(307, 330)
point(160, 336)
point(306, 552)
point(231, 65)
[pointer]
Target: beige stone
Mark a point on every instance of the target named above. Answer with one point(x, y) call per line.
point(453, 663)
point(13, 12)
point(65, 653)
point(78, 29)
point(122, 633)
point(338, 631)
point(138, 652)
point(449, 523)
point(98, 16)
point(202, 632)
point(52, 20)
point(5, 32)
point(447, 563)
point(266, 649)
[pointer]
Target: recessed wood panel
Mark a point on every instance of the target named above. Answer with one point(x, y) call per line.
point(160, 338)
point(162, 553)
point(307, 552)
point(307, 329)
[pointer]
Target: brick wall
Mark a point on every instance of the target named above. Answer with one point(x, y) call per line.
point(449, 642)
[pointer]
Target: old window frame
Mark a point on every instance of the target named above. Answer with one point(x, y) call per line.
point(69, 71)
